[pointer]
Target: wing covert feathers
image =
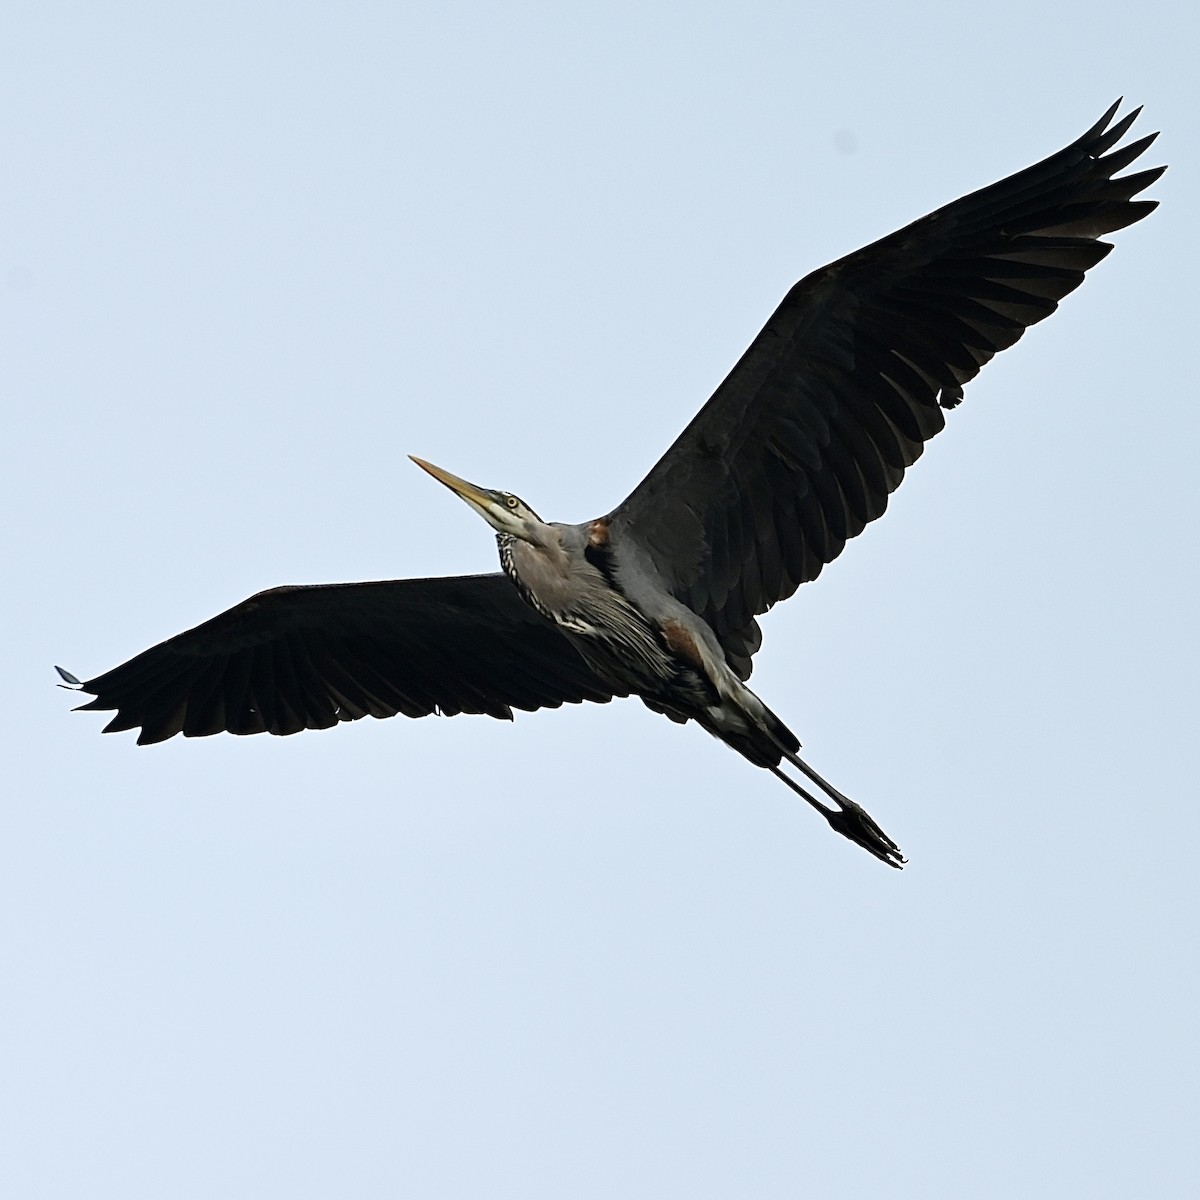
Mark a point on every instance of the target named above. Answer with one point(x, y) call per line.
point(296, 658)
point(802, 444)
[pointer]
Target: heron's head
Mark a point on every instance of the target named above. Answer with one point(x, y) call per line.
point(503, 511)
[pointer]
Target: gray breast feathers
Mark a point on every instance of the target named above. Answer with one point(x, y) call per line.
point(558, 580)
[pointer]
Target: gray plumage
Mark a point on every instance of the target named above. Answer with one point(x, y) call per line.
point(797, 450)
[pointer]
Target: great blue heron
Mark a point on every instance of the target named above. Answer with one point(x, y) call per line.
point(795, 453)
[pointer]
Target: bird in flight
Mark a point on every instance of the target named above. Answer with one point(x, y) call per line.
point(797, 450)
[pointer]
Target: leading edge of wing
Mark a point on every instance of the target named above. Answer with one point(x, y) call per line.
point(307, 657)
point(804, 441)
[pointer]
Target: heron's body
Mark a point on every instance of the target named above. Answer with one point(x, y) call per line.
point(795, 453)
point(639, 639)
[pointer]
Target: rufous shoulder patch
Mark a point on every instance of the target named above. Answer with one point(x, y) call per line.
point(680, 641)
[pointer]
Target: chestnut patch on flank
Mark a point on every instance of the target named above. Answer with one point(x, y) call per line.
point(680, 641)
point(598, 532)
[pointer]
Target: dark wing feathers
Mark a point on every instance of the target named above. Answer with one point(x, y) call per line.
point(802, 444)
point(308, 657)
point(798, 449)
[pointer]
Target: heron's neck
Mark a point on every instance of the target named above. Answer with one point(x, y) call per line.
point(540, 570)
point(504, 543)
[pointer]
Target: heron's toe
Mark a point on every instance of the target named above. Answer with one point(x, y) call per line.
point(853, 821)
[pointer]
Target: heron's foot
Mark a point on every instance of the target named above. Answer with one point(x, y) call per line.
point(853, 821)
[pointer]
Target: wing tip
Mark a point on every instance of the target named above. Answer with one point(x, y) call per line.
point(68, 680)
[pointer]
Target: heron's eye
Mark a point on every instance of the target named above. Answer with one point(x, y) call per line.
point(511, 501)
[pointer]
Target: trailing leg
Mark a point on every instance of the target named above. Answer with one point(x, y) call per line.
point(849, 819)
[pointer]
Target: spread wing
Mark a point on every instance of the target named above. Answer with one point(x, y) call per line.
point(802, 444)
point(298, 658)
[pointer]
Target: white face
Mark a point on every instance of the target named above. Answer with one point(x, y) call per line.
point(503, 511)
point(507, 513)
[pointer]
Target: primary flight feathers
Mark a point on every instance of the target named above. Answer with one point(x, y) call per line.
point(796, 451)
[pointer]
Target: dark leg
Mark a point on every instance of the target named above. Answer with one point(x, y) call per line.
point(849, 819)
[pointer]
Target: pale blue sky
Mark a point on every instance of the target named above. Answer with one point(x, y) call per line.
point(251, 257)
